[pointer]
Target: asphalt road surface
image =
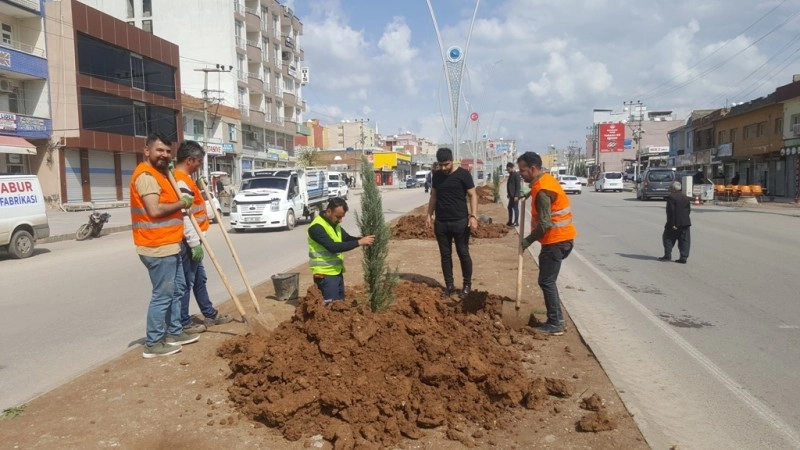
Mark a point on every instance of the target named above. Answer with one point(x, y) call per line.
point(705, 354)
point(75, 305)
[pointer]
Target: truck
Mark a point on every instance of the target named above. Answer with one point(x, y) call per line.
point(23, 214)
point(275, 198)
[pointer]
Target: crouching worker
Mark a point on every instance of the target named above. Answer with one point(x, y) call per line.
point(327, 240)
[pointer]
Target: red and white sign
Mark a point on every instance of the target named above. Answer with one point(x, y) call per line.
point(473, 117)
point(612, 137)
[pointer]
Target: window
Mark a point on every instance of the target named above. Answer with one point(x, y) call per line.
point(779, 125)
point(9, 102)
point(761, 129)
point(749, 132)
point(733, 134)
point(720, 137)
point(147, 25)
point(232, 134)
point(197, 128)
point(242, 94)
point(130, 10)
point(267, 109)
point(147, 8)
point(137, 72)
point(140, 119)
point(8, 33)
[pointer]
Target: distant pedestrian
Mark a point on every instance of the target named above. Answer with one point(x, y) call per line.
point(678, 226)
point(157, 226)
point(454, 201)
point(551, 225)
point(512, 193)
point(735, 179)
point(190, 159)
point(327, 240)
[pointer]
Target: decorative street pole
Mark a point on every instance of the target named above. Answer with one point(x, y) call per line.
point(453, 61)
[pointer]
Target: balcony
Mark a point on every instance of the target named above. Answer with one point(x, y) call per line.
point(252, 20)
point(256, 114)
point(32, 5)
point(244, 110)
point(22, 62)
point(254, 82)
point(289, 97)
point(253, 52)
point(240, 43)
point(23, 47)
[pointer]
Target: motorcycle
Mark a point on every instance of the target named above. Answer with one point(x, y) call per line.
point(94, 227)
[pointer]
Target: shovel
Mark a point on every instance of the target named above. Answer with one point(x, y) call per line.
point(255, 326)
point(521, 314)
point(204, 186)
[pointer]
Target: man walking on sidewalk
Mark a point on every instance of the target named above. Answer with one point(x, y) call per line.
point(512, 192)
point(157, 225)
point(678, 226)
point(190, 158)
point(551, 225)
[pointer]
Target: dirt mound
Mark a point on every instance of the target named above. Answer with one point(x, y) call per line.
point(413, 227)
point(485, 194)
point(357, 377)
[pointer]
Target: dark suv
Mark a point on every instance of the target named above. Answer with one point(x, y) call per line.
point(655, 183)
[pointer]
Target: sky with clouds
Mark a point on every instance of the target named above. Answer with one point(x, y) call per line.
point(535, 69)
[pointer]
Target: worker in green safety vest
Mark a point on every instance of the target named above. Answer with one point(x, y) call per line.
point(327, 240)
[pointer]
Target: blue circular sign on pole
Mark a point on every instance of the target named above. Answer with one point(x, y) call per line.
point(454, 54)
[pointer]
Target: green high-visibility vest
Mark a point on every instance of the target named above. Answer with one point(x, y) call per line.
point(322, 261)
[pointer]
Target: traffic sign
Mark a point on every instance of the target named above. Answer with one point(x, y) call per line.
point(474, 116)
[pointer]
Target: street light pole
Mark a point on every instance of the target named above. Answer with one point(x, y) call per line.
point(220, 68)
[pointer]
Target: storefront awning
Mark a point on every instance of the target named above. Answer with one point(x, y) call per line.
point(10, 144)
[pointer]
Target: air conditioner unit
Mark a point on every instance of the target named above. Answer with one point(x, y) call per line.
point(796, 129)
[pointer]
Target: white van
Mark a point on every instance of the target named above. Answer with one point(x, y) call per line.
point(23, 214)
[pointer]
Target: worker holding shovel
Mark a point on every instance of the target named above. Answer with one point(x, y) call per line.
point(190, 159)
point(551, 225)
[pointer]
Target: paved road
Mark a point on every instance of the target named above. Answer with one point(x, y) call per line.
point(75, 305)
point(704, 354)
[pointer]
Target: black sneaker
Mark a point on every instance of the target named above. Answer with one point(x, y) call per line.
point(681, 261)
point(549, 328)
point(465, 291)
point(665, 258)
point(448, 291)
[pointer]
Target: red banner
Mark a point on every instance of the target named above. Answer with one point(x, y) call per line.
point(612, 137)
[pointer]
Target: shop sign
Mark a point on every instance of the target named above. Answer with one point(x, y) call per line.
point(214, 149)
point(725, 150)
point(8, 122)
point(25, 123)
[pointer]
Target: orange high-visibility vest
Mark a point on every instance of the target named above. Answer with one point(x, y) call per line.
point(560, 211)
point(151, 231)
point(198, 209)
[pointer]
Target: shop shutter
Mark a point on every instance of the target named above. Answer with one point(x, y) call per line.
point(101, 176)
point(128, 164)
point(72, 174)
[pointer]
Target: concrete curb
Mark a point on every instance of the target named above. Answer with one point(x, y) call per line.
point(70, 237)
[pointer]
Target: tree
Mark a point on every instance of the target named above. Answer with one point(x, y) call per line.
point(307, 156)
point(378, 278)
point(498, 172)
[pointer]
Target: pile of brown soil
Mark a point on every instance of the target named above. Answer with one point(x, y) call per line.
point(356, 377)
point(412, 226)
point(485, 194)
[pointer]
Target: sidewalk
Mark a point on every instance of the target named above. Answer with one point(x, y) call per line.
point(64, 224)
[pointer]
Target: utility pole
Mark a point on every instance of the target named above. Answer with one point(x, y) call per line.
point(219, 68)
point(638, 117)
point(363, 138)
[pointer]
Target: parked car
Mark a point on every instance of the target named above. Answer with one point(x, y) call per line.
point(411, 183)
point(584, 181)
point(337, 189)
point(655, 183)
point(608, 181)
point(570, 183)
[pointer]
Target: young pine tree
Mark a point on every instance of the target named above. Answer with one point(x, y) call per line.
point(378, 278)
point(496, 184)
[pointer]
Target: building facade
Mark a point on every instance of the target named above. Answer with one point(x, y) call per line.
point(224, 146)
point(25, 122)
point(250, 58)
point(355, 134)
point(112, 84)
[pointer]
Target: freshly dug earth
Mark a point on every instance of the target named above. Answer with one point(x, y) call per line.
point(431, 373)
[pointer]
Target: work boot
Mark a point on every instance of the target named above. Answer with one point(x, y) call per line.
point(665, 258)
point(465, 291)
point(448, 291)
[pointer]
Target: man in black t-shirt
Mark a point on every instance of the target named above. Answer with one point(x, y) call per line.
point(450, 188)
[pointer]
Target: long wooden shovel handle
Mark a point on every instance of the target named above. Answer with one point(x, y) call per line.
point(239, 266)
point(210, 252)
point(521, 251)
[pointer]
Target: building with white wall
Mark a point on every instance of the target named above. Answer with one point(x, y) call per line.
point(256, 44)
point(24, 92)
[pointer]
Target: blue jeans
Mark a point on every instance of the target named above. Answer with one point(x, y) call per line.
point(549, 266)
point(331, 286)
point(195, 274)
point(164, 311)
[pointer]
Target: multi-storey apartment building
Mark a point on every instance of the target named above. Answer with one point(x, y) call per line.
point(257, 45)
point(112, 84)
point(355, 134)
point(24, 93)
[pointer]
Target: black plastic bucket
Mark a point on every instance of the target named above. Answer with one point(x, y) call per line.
point(286, 285)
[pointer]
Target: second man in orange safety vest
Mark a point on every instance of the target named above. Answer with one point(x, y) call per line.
point(551, 225)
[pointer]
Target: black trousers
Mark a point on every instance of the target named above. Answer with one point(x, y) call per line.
point(682, 236)
point(550, 258)
point(446, 233)
point(513, 210)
